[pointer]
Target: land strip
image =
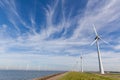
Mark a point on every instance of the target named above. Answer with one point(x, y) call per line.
point(51, 77)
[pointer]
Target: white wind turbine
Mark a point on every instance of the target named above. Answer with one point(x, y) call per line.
point(81, 62)
point(27, 67)
point(98, 50)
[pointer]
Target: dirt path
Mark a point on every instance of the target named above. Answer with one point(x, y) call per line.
point(51, 77)
point(56, 77)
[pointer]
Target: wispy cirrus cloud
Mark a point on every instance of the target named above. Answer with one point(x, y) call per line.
point(63, 32)
point(102, 14)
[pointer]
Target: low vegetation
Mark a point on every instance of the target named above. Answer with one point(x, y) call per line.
point(87, 76)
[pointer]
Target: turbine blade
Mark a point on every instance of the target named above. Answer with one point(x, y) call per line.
point(95, 30)
point(93, 42)
point(104, 41)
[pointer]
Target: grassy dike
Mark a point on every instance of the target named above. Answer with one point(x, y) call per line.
point(86, 76)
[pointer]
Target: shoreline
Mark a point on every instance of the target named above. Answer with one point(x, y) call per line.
point(49, 76)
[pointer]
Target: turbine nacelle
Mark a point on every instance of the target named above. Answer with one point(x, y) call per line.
point(81, 57)
point(97, 37)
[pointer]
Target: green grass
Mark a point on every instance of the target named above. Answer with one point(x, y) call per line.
point(86, 76)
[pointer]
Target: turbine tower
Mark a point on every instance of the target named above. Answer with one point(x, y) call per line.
point(97, 38)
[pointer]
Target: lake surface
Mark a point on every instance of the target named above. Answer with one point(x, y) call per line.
point(23, 74)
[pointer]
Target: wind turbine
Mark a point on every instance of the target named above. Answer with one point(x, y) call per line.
point(81, 62)
point(97, 38)
point(27, 67)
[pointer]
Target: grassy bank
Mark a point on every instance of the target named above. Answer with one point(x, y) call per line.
point(87, 76)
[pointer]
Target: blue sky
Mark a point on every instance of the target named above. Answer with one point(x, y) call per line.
point(51, 34)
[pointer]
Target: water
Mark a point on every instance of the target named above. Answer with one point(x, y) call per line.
point(23, 75)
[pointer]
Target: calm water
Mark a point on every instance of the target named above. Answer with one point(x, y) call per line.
point(23, 75)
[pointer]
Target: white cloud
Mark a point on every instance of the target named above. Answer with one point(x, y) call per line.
point(117, 47)
point(51, 62)
point(101, 14)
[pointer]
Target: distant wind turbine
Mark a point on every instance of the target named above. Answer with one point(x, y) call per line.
point(27, 67)
point(75, 66)
point(81, 62)
point(98, 50)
